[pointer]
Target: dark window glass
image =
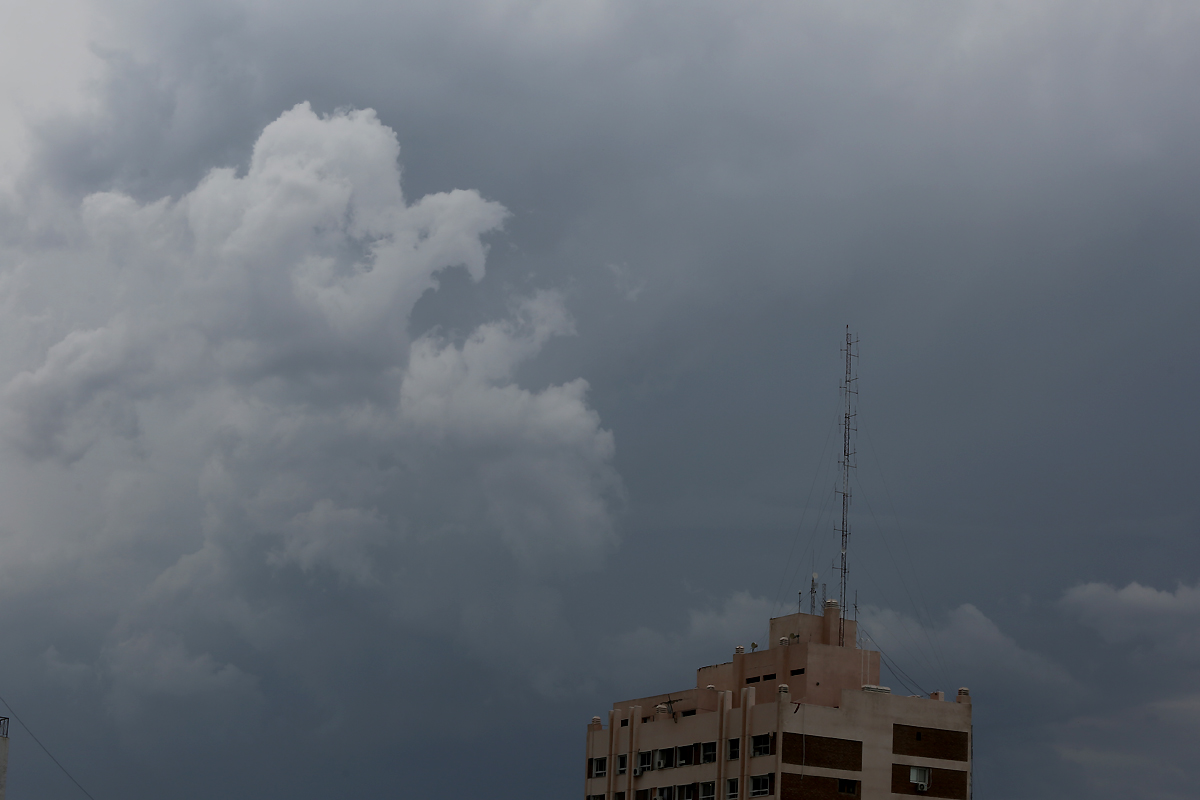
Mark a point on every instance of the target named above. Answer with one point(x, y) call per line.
point(798, 671)
point(760, 785)
point(755, 679)
point(770, 677)
point(622, 764)
point(761, 745)
point(735, 749)
point(691, 712)
point(625, 723)
point(708, 752)
point(645, 760)
point(847, 786)
point(731, 789)
point(708, 791)
point(641, 794)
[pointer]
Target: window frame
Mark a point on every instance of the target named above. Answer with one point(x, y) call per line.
point(705, 752)
point(853, 786)
point(763, 783)
point(760, 745)
point(734, 750)
point(731, 789)
point(598, 767)
point(915, 775)
point(711, 794)
point(622, 763)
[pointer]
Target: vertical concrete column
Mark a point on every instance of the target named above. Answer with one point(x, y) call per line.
point(785, 703)
point(724, 704)
point(829, 624)
point(611, 772)
point(3, 764)
point(635, 727)
point(744, 744)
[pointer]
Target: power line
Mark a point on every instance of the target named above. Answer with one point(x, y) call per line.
point(800, 528)
point(923, 606)
point(936, 660)
point(45, 749)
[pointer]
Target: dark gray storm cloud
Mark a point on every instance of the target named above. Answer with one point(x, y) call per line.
point(377, 376)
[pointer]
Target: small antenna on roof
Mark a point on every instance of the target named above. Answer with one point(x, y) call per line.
point(812, 595)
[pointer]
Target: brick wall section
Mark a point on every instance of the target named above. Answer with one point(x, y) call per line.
point(822, 751)
point(908, 740)
point(951, 783)
point(811, 787)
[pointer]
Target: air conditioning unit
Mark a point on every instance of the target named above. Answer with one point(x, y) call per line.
point(922, 787)
point(637, 771)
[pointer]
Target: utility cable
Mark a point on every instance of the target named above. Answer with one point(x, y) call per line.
point(935, 657)
point(924, 604)
point(892, 666)
point(803, 514)
point(45, 749)
point(821, 465)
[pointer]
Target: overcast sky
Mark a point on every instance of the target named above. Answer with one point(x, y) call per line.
point(387, 388)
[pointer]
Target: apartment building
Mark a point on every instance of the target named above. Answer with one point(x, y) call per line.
point(803, 719)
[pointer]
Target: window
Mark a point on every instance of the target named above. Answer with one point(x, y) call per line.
point(664, 759)
point(770, 677)
point(618, 796)
point(798, 671)
point(760, 785)
point(755, 679)
point(625, 722)
point(622, 764)
point(761, 745)
point(708, 752)
point(645, 760)
point(685, 755)
point(664, 793)
point(597, 767)
point(731, 789)
point(595, 797)
point(685, 792)
point(919, 776)
point(646, 719)
point(735, 749)
point(691, 712)
point(847, 786)
point(708, 791)
point(641, 794)
point(918, 736)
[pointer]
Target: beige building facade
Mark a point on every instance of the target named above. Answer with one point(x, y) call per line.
point(803, 719)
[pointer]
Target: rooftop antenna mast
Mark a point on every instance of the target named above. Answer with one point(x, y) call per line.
point(847, 464)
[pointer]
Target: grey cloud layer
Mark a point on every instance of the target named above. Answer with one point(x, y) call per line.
point(285, 459)
point(254, 344)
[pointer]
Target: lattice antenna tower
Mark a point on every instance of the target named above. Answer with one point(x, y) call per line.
point(850, 391)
